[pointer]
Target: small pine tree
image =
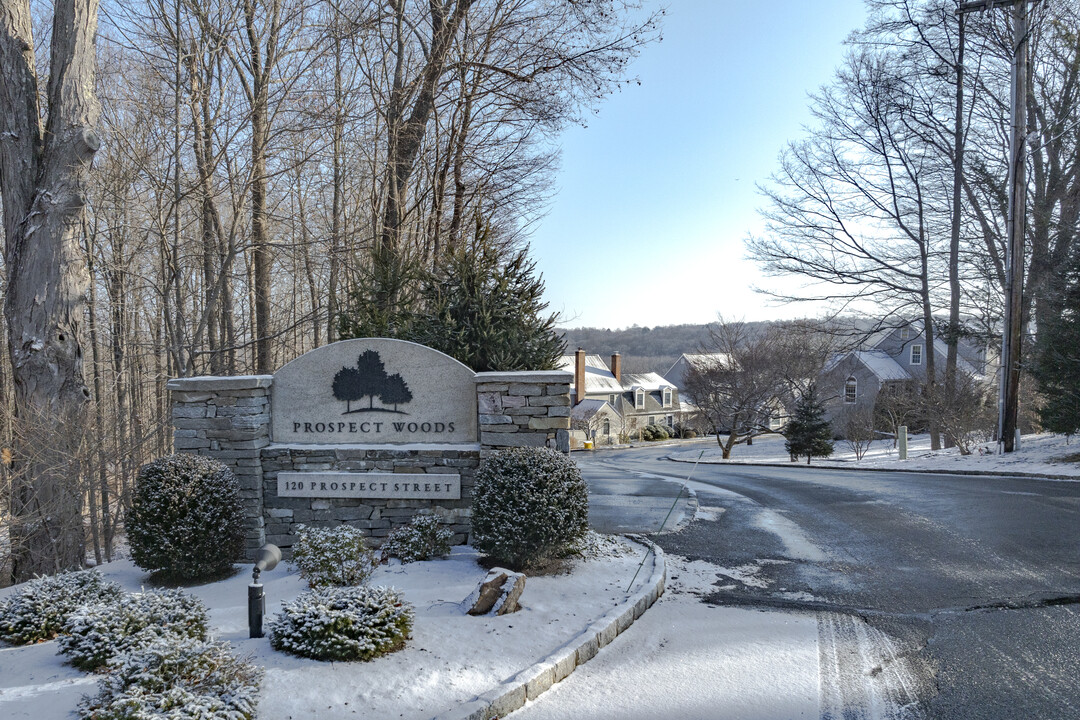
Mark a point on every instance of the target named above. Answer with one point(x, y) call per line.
point(1058, 358)
point(808, 432)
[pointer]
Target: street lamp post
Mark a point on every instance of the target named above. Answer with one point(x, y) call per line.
point(266, 559)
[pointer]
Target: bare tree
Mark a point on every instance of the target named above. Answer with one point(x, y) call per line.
point(856, 424)
point(44, 171)
point(738, 388)
point(852, 209)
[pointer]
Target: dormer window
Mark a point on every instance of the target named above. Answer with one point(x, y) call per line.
point(916, 354)
point(851, 390)
point(667, 397)
point(905, 332)
point(639, 399)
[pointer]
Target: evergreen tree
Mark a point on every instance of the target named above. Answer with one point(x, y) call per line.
point(482, 305)
point(808, 432)
point(1057, 367)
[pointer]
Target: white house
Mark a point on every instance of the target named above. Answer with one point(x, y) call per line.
point(608, 403)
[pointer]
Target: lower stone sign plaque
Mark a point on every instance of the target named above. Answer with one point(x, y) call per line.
point(369, 485)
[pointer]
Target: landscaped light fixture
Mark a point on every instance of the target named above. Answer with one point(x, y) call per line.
point(266, 559)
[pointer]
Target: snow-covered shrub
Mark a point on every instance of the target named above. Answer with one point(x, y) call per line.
point(176, 677)
point(423, 538)
point(38, 611)
point(186, 519)
point(332, 556)
point(655, 432)
point(343, 623)
point(529, 504)
point(95, 633)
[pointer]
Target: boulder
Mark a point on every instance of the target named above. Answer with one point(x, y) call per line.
point(497, 594)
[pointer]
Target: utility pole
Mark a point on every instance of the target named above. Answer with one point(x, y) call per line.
point(1012, 333)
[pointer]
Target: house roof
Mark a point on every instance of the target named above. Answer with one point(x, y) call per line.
point(587, 408)
point(648, 382)
point(598, 378)
point(701, 360)
point(678, 370)
point(882, 365)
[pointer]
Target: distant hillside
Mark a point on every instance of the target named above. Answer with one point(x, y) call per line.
point(643, 349)
point(668, 340)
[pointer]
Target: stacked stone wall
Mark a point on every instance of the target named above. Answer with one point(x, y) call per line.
point(376, 517)
point(523, 409)
point(227, 418)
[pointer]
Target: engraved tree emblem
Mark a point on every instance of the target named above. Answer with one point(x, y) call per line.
point(396, 391)
point(369, 379)
point(348, 386)
point(373, 375)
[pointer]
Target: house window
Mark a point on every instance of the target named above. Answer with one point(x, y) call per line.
point(916, 354)
point(851, 390)
point(652, 419)
point(905, 333)
point(667, 397)
point(611, 400)
point(639, 399)
point(670, 420)
point(607, 426)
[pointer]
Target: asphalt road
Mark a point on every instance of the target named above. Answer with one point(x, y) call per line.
point(937, 596)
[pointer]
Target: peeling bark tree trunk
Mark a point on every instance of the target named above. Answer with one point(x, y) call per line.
point(43, 172)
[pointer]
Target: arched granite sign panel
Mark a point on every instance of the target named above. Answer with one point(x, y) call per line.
point(374, 391)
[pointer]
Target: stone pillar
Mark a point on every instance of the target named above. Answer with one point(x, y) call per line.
point(523, 409)
point(228, 419)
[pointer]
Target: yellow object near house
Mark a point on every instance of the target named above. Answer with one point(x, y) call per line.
point(588, 444)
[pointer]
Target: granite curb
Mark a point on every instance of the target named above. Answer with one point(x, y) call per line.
point(531, 682)
point(847, 468)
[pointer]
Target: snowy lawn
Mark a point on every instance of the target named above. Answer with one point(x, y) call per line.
point(451, 658)
point(1041, 454)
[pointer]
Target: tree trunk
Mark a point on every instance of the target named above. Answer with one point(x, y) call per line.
point(44, 179)
point(339, 179)
point(262, 260)
point(406, 135)
point(105, 538)
point(953, 338)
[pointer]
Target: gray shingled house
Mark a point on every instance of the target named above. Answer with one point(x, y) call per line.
point(893, 355)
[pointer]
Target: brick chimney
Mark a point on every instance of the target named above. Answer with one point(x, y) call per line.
point(579, 375)
point(616, 367)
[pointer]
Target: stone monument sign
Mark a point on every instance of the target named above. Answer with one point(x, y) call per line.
point(374, 391)
point(366, 432)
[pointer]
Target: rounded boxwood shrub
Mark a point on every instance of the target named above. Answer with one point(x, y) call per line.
point(40, 608)
point(421, 539)
point(186, 519)
point(342, 623)
point(176, 677)
point(337, 556)
point(529, 504)
point(95, 633)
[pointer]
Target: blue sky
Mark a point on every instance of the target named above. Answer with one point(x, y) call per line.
point(657, 194)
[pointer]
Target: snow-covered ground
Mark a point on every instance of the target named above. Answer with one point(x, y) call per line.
point(1043, 454)
point(688, 660)
point(451, 658)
